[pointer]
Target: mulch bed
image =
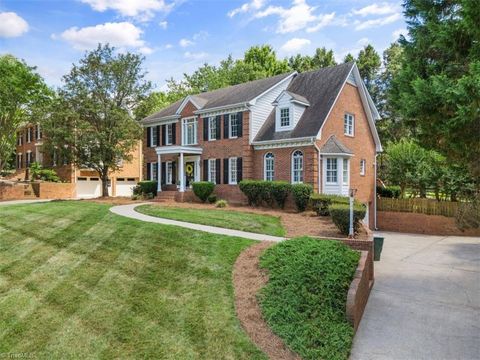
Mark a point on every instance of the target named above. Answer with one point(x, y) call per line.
point(248, 279)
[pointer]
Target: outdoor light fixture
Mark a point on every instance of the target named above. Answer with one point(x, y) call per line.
point(352, 193)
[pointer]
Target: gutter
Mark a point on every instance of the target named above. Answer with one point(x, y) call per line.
point(289, 140)
point(319, 167)
point(375, 195)
point(219, 108)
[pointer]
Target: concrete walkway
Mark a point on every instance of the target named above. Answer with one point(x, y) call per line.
point(128, 211)
point(426, 300)
point(19, 202)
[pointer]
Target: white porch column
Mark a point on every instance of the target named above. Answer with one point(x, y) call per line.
point(159, 173)
point(182, 173)
point(197, 169)
point(340, 175)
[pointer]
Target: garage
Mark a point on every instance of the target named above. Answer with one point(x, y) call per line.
point(124, 186)
point(89, 187)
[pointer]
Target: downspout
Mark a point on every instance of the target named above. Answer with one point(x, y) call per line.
point(375, 195)
point(319, 167)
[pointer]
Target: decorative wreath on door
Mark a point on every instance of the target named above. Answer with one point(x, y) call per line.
point(189, 169)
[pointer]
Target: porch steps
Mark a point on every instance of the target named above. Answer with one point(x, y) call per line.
point(165, 196)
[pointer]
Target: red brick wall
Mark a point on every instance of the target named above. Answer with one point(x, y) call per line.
point(11, 191)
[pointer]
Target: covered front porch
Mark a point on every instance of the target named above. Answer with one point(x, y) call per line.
point(181, 173)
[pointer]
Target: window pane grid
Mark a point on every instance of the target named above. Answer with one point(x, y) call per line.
point(233, 170)
point(348, 124)
point(345, 171)
point(212, 128)
point(269, 167)
point(297, 167)
point(233, 119)
point(331, 170)
point(285, 117)
point(212, 170)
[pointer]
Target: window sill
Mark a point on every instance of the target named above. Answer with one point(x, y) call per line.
point(349, 135)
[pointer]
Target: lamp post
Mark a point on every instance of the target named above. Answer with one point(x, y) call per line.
point(352, 193)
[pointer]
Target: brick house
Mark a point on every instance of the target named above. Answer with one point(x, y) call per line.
point(316, 127)
point(29, 149)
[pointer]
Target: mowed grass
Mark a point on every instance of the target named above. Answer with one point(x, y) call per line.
point(229, 219)
point(77, 281)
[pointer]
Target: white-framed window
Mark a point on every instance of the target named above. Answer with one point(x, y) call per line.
point(269, 167)
point(169, 172)
point(285, 117)
point(346, 171)
point(154, 171)
point(20, 139)
point(189, 131)
point(212, 170)
point(348, 124)
point(29, 135)
point(232, 171)
point(233, 125)
point(38, 132)
point(169, 136)
point(153, 136)
point(363, 165)
point(297, 167)
point(212, 128)
point(332, 175)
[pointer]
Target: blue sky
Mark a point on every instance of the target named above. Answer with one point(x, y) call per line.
point(177, 36)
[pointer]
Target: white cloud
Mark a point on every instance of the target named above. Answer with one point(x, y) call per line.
point(168, 46)
point(323, 20)
point(145, 50)
point(121, 34)
point(250, 6)
point(363, 41)
point(361, 25)
point(163, 24)
point(378, 9)
point(12, 25)
point(195, 56)
point(396, 34)
point(143, 10)
point(294, 45)
point(185, 43)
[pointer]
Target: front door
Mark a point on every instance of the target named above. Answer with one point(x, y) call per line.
point(189, 173)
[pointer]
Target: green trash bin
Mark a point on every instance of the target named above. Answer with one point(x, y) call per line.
point(377, 247)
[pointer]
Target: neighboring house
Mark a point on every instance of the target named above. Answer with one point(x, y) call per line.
point(29, 149)
point(316, 127)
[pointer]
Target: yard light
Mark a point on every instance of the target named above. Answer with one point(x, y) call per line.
point(352, 193)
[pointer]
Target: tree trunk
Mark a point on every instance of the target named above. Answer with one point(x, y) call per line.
point(104, 178)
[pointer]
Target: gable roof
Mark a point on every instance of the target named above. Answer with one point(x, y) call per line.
point(232, 95)
point(335, 146)
point(320, 88)
point(295, 98)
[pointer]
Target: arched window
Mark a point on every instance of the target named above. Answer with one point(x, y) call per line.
point(297, 167)
point(269, 167)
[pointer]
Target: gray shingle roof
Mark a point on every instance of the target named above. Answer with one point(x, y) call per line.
point(334, 146)
point(297, 97)
point(320, 88)
point(231, 95)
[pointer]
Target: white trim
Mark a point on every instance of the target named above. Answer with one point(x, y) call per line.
point(185, 102)
point(167, 143)
point(230, 161)
point(210, 122)
point(178, 150)
point(219, 110)
point(160, 121)
point(363, 167)
point(292, 167)
point(254, 100)
point(153, 129)
point(326, 170)
point(292, 99)
point(168, 173)
point(229, 122)
point(283, 143)
point(214, 161)
point(337, 154)
point(183, 133)
point(345, 115)
point(265, 166)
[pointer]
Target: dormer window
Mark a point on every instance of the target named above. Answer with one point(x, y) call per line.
point(285, 117)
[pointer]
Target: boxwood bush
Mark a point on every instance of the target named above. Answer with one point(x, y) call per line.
point(340, 214)
point(301, 195)
point(321, 202)
point(203, 189)
point(252, 190)
point(305, 298)
point(260, 192)
point(280, 191)
point(145, 188)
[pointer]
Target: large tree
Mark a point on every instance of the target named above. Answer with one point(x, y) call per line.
point(22, 94)
point(369, 63)
point(92, 120)
point(437, 89)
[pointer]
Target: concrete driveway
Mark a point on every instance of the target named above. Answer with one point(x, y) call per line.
point(426, 300)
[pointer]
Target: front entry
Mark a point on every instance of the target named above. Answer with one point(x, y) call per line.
point(189, 173)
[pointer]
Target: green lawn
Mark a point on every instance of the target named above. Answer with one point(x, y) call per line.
point(230, 219)
point(77, 281)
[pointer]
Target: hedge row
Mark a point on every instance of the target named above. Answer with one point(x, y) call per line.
point(145, 188)
point(340, 214)
point(389, 192)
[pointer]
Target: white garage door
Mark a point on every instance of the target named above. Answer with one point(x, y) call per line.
point(124, 187)
point(88, 187)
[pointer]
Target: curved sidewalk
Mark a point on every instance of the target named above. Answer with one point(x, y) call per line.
point(129, 211)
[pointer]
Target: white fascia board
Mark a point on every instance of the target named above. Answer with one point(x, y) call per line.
point(160, 121)
point(289, 77)
point(222, 108)
point(162, 150)
point(185, 102)
point(271, 144)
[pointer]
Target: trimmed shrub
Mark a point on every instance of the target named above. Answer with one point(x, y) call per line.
point(301, 195)
point(221, 204)
point(321, 202)
point(340, 214)
point(39, 173)
point(252, 190)
point(280, 191)
point(212, 198)
point(145, 188)
point(389, 191)
point(203, 189)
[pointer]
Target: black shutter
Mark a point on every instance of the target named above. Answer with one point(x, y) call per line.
point(149, 169)
point(149, 136)
point(225, 126)
point(164, 173)
point(174, 133)
point(164, 135)
point(239, 169)
point(205, 170)
point(205, 129)
point(225, 171)
point(158, 135)
point(174, 172)
point(240, 124)
point(218, 135)
point(218, 179)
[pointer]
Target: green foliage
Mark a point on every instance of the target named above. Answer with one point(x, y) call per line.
point(280, 191)
point(212, 198)
point(145, 187)
point(252, 190)
point(266, 192)
point(301, 195)
point(23, 94)
point(322, 58)
point(203, 189)
point(321, 202)
point(369, 63)
point(305, 298)
point(221, 203)
point(468, 214)
point(389, 191)
point(340, 214)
